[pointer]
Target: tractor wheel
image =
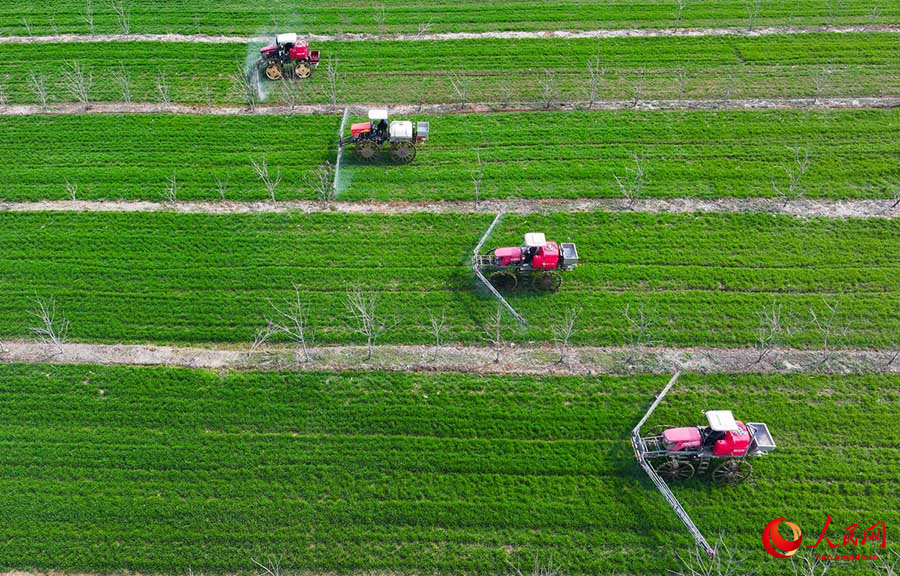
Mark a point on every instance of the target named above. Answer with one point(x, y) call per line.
point(504, 281)
point(732, 472)
point(403, 152)
point(367, 150)
point(302, 69)
point(273, 71)
point(546, 281)
point(675, 469)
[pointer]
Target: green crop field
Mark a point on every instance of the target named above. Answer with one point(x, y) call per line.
point(393, 16)
point(806, 65)
point(530, 155)
point(704, 279)
point(165, 470)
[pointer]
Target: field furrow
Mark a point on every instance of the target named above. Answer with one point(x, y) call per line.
point(408, 16)
point(541, 70)
point(700, 154)
point(700, 279)
point(107, 469)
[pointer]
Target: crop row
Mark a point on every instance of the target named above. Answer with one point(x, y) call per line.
point(699, 279)
point(148, 470)
point(531, 155)
point(538, 70)
point(408, 16)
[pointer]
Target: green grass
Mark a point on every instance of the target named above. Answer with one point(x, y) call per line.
point(245, 17)
point(155, 470)
point(529, 155)
point(496, 70)
point(703, 279)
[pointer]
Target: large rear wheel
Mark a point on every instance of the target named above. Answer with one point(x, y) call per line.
point(367, 150)
point(504, 280)
point(732, 472)
point(546, 281)
point(675, 469)
point(274, 72)
point(403, 152)
point(302, 69)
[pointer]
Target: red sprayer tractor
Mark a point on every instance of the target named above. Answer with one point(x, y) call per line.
point(400, 136)
point(718, 451)
point(288, 57)
point(537, 263)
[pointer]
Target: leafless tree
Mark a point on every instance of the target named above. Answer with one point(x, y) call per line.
point(437, 327)
point(269, 181)
point(562, 331)
point(322, 182)
point(680, 5)
point(40, 87)
point(89, 16)
point(597, 75)
point(632, 188)
point(4, 99)
point(78, 82)
point(380, 18)
point(120, 7)
point(698, 563)
point(540, 568)
point(363, 308)
point(120, 77)
point(828, 325)
point(888, 566)
point(835, 7)
point(53, 27)
point(753, 8)
point(71, 190)
point(549, 89)
point(477, 175)
point(794, 174)
point(770, 334)
point(873, 17)
point(808, 565)
point(170, 192)
point(289, 319)
point(822, 79)
point(162, 88)
point(272, 567)
point(894, 353)
point(331, 77)
point(221, 188)
point(293, 93)
point(895, 198)
point(638, 94)
point(247, 83)
point(460, 85)
point(638, 333)
point(493, 330)
point(27, 26)
point(52, 327)
point(681, 78)
point(424, 28)
point(505, 94)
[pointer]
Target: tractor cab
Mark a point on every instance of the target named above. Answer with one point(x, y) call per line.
point(726, 436)
point(379, 122)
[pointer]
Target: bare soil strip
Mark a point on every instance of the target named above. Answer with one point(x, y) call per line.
point(799, 208)
point(508, 35)
point(513, 359)
point(843, 103)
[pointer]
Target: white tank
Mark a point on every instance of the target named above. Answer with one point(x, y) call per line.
point(401, 131)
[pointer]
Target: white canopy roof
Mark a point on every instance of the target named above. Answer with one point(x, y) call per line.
point(378, 114)
point(289, 38)
point(722, 421)
point(535, 239)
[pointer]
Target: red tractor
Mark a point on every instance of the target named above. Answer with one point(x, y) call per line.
point(719, 449)
point(287, 57)
point(369, 138)
point(537, 261)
